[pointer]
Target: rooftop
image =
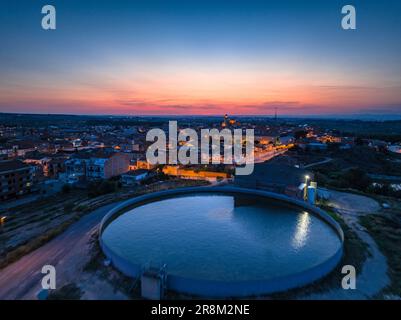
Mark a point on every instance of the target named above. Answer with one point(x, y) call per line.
point(136, 172)
point(273, 174)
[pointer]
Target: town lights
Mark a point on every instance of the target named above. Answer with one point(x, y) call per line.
point(180, 151)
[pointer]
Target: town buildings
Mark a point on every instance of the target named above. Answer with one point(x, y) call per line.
point(134, 177)
point(15, 179)
point(63, 149)
point(193, 174)
point(94, 166)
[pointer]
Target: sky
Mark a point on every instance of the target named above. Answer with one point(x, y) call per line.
point(201, 57)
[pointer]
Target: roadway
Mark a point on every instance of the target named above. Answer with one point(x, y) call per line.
point(261, 157)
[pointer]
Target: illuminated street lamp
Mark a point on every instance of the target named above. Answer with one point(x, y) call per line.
point(2, 221)
point(306, 187)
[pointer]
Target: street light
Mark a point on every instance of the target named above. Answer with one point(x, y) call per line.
point(306, 187)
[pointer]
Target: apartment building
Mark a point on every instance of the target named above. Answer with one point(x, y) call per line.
point(15, 179)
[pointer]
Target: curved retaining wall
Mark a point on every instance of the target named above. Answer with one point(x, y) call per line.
point(209, 288)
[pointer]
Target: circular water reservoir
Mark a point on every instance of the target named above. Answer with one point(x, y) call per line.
point(224, 243)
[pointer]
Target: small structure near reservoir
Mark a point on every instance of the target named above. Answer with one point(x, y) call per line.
point(153, 283)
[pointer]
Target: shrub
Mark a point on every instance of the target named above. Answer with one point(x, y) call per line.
point(68, 207)
point(68, 292)
point(357, 179)
point(66, 188)
point(104, 187)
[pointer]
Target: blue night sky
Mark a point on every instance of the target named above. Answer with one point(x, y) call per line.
point(201, 57)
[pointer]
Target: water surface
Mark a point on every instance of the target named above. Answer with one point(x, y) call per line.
point(207, 237)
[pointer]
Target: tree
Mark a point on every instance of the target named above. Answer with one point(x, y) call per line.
point(97, 189)
point(66, 188)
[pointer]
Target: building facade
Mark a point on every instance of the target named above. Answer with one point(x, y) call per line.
point(194, 174)
point(134, 177)
point(98, 166)
point(15, 179)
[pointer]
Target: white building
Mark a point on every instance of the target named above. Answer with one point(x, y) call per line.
point(134, 177)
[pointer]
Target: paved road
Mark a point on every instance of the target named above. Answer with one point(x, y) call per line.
point(22, 279)
point(327, 160)
point(265, 156)
point(353, 203)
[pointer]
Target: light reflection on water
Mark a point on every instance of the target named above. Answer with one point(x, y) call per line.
point(209, 237)
point(302, 230)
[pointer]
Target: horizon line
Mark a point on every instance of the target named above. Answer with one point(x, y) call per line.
point(321, 116)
